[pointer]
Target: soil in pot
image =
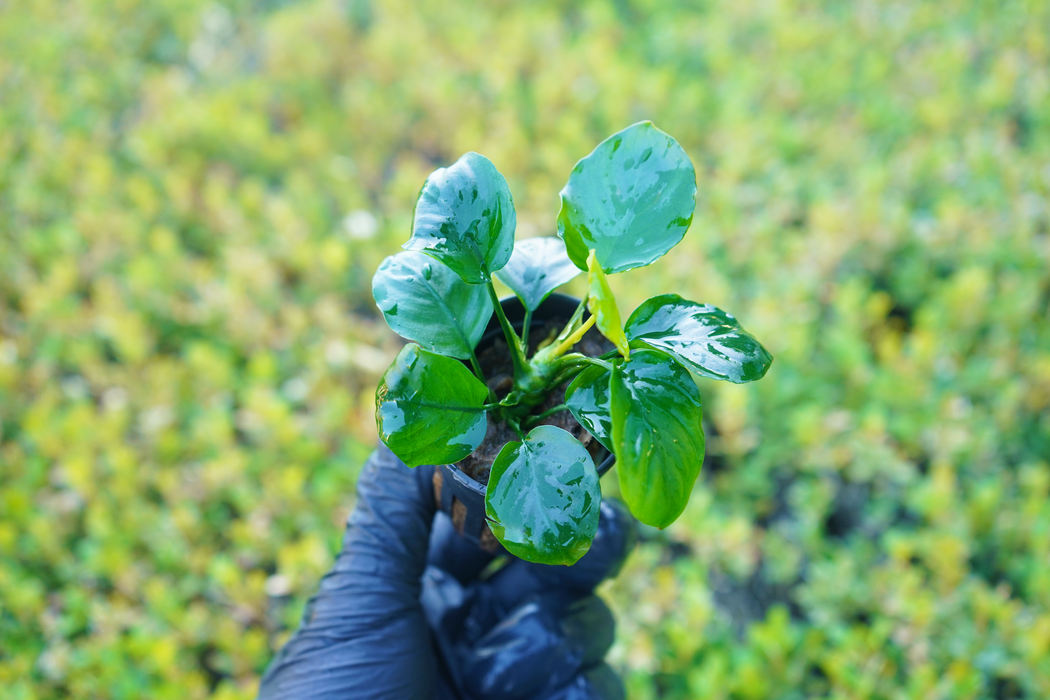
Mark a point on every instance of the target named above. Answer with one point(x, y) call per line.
point(497, 366)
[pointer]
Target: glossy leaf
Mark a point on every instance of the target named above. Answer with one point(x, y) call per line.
point(656, 434)
point(543, 497)
point(602, 304)
point(588, 399)
point(537, 267)
point(631, 200)
point(430, 408)
point(465, 218)
point(425, 301)
point(708, 340)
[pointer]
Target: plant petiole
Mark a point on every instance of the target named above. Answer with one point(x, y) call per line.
point(567, 367)
point(533, 420)
point(512, 421)
point(525, 332)
point(481, 375)
point(567, 344)
point(573, 323)
point(521, 368)
point(576, 359)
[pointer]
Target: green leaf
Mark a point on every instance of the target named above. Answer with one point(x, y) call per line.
point(705, 338)
point(430, 409)
point(543, 497)
point(656, 434)
point(602, 304)
point(631, 200)
point(537, 267)
point(588, 399)
point(465, 218)
point(425, 301)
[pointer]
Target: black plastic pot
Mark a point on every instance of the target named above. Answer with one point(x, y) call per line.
point(458, 495)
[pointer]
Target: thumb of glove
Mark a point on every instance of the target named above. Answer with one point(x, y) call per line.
point(364, 634)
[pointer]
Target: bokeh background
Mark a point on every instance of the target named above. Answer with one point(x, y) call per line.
point(194, 196)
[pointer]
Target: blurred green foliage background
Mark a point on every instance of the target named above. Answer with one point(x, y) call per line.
point(194, 196)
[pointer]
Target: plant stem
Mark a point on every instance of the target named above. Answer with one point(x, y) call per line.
point(481, 375)
point(513, 342)
point(577, 359)
point(566, 375)
point(525, 332)
point(533, 420)
point(567, 344)
point(576, 316)
point(512, 421)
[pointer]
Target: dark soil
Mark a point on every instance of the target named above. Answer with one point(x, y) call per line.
point(497, 366)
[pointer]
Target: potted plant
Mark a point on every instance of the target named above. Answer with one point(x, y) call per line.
point(547, 406)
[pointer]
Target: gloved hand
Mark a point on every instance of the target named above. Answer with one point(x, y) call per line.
point(403, 616)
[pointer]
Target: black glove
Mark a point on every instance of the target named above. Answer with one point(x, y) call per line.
point(391, 622)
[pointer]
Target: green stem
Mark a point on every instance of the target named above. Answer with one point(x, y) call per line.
point(525, 332)
point(481, 375)
point(513, 342)
point(550, 350)
point(576, 316)
point(512, 421)
point(566, 374)
point(567, 344)
point(533, 420)
point(576, 359)
point(608, 366)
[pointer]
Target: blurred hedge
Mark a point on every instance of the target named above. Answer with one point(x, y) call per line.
point(193, 197)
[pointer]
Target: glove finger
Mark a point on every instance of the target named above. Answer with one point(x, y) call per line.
point(616, 536)
point(589, 628)
point(596, 683)
point(445, 603)
point(454, 553)
point(519, 658)
point(363, 634)
point(541, 646)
